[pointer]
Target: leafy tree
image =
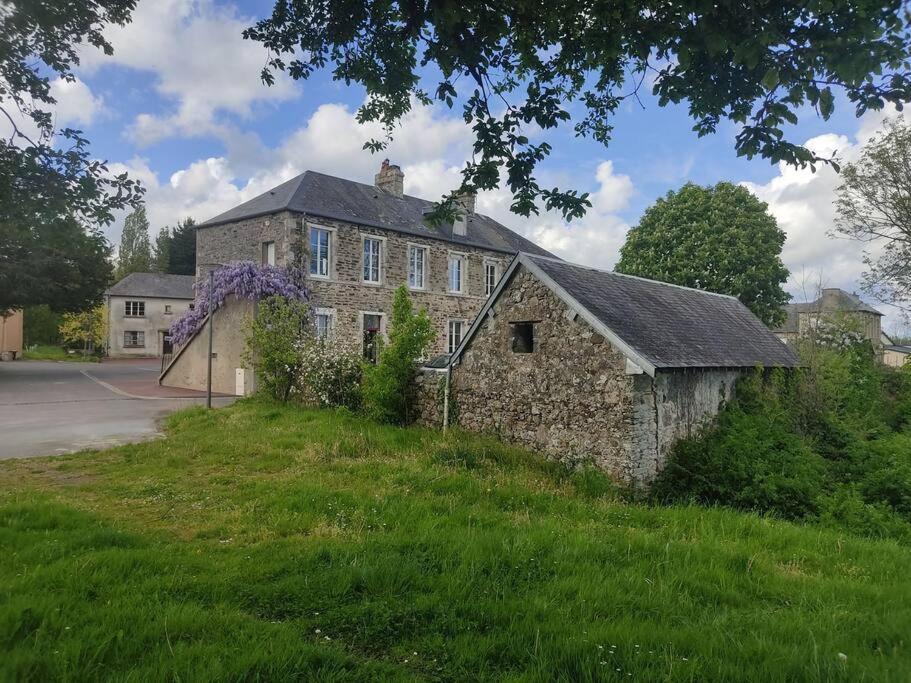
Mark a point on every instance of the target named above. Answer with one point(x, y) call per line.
point(274, 341)
point(525, 65)
point(874, 207)
point(721, 239)
point(56, 261)
point(388, 385)
point(161, 252)
point(52, 191)
point(183, 248)
point(135, 255)
point(87, 329)
point(41, 325)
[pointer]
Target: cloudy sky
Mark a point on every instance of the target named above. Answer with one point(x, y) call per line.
point(180, 105)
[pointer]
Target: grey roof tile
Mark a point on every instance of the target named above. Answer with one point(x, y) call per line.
point(321, 195)
point(154, 285)
point(668, 325)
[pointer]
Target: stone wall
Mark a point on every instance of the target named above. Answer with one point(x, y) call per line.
point(570, 397)
point(344, 292)
point(243, 240)
point(672, 406)
point(427, 403)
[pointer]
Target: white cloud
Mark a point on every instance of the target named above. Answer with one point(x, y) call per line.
point(201, 64)
point(429, 145)
point(76, 104)
point(803, 203)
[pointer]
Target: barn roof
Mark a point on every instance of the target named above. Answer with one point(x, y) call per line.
point(321, 195)
point(154, 286)
point(658, 326)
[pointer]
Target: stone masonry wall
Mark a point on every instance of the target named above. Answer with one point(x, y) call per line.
point(571, 398)
point(427, 405)
point(344, 291)
point(672, 406)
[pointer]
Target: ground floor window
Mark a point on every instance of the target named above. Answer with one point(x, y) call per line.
point(455, 335)
point(373, 328)
point(325, 322)
point(134, 339)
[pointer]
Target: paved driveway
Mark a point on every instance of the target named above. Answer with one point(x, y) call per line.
point(49, 408)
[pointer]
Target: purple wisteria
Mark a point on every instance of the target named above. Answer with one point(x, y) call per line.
point(245, 280)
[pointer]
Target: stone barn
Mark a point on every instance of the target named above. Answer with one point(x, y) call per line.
point(584, 364)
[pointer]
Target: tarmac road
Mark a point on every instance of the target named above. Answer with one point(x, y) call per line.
point(51, 408)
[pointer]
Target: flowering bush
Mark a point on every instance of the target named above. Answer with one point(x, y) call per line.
point(276, 334)
point(245, 280)
point(330, 374)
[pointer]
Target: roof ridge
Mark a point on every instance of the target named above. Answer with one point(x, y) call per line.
point(631, 277)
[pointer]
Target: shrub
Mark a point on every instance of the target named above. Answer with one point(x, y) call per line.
point(275, 336)
point(85, 330)
point(750, 461)
point(388, 389)
point(330, 374)
point(829, 443)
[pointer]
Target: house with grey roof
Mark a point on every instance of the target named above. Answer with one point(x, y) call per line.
point(141, 308)
point(357, 243)
point(589, 365)
point(832, 306)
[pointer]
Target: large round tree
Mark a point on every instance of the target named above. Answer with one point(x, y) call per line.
point(721, 239)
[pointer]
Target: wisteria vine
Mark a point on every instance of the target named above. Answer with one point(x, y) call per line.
point(245, 280)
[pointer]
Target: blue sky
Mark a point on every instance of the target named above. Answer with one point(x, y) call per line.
point(180, 106)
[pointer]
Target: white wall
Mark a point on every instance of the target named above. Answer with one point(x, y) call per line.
point(157, 319)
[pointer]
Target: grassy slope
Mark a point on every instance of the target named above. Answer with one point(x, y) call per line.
point(279, 542)
point(45, 352)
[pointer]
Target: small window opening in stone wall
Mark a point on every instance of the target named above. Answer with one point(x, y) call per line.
point(523, 337)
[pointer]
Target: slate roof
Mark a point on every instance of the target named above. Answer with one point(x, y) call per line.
point(655, 324)
point(898, 348)
point(832, 300)
point(155, 286)
point(320, 195)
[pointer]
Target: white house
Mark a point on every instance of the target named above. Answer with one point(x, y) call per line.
point(141, 308)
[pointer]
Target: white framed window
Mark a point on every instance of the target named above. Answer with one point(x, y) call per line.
point(134, 309)
point(417, 266)
point(372, 259)
point(134, 339)
point(491, 277)
point(457, 275)
point(268, 254)
point(324, 321)
point(320, 252)
point(454, 335)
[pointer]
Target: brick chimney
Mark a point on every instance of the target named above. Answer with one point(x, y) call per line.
point(390, 178)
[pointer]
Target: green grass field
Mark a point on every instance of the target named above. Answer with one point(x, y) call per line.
point(267, 542)
point(46, 352)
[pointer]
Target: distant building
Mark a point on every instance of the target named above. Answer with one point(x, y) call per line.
point(141, 308)
point(11, 336)
point(834, 304)
point(895, 355)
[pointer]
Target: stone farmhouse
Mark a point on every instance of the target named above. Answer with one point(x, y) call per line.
point(584, 364)
point(141, 308)
point(359, 243)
